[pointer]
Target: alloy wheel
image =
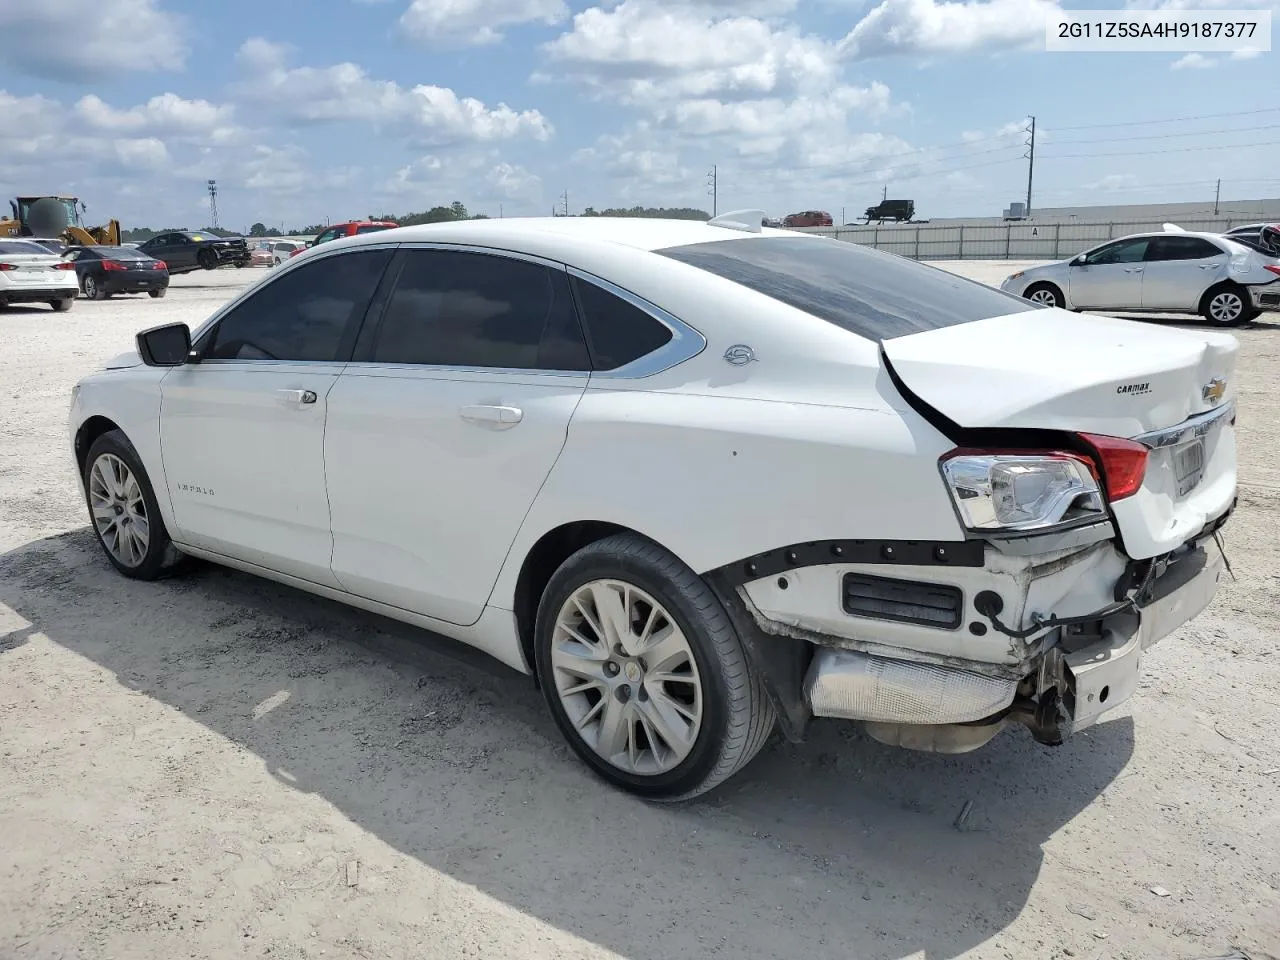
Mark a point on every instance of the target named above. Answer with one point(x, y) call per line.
point(1045, 296)
point(1226, 307)
point(626, 676)
point(119, 510)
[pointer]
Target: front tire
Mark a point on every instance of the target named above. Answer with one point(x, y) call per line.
point(1045, 293)
point(123, 510)
point(1227, 305)
point(207, 259)
point(644, 673)
point(63, 305)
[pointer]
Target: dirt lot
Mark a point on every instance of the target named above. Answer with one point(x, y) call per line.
point(216, 766)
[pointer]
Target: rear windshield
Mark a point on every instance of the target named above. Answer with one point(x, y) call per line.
point(121, 253)
point(873, 294)
point(15, 247)
point(371, 228)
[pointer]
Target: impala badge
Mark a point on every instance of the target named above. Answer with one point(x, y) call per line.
point(1213, 390)
point(739, 354)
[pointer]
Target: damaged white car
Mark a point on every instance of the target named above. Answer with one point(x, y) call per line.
point(702, 479)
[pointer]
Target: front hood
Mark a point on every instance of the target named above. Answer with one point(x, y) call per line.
point(1056, 370)
point(125, 360)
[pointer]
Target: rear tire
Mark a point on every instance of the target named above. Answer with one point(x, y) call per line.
point(157, 294)
point(123, 510)
point(1046, 293)
point(667, 672)
point(93, 288)
point(62, 306)
point(1226, 304)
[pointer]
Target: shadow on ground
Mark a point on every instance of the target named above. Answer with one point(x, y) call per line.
point(839, 847)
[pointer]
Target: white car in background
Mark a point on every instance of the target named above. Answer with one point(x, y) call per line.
point(30, 273)
point(1175, 271)
point(700, 479)
point(282, 250)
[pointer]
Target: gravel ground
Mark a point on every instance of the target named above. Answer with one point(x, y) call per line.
point(216, 766)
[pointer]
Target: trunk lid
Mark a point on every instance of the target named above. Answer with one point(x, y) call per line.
point(32, 268)
point(1056, 370)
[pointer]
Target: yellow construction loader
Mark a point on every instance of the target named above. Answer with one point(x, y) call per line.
point(51, 218)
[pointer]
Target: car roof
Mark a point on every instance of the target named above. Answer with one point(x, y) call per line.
point(547, 234)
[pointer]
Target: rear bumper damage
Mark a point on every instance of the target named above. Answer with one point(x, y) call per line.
point(927, 659)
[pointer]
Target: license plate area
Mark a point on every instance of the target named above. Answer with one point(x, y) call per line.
point(1188, 465)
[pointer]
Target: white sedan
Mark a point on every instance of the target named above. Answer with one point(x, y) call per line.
point(701, 480)
point(1172, 272)
point(30, 273)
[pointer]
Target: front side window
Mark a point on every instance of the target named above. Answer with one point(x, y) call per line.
point(458, 309)
point(1124, 251)
point(307, 314)
point(865, 291)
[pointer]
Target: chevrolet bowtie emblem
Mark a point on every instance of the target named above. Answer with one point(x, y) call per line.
point(1213, 390)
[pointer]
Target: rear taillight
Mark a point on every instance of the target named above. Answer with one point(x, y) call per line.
point(1273, 267)
point(1123, 464)
point(8, 266)
point(113, 265)
point(1028, 491)
point(159, 265)
point(64, 266)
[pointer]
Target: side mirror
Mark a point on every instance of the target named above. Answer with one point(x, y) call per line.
point(1078, 261)
point(166, 346)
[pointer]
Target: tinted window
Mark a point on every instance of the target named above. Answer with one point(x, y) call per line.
point(1124, 251)
point(619, 331)
point(122, 253)
point(1181, 248)
point(21, 246)
point(371, 229)
point(873, 294)
point(473, 310)
point(306, 314)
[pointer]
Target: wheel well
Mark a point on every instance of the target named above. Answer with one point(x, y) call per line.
point(543, 560)
point(1045, 283)
point(90, 431)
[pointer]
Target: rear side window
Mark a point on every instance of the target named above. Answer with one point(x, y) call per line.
point(457, 309)
point(619, 331)
point(1181, 248)
point(308, 314)
point(873, 294)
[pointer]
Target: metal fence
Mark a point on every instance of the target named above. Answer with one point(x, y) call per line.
point(1024, 240)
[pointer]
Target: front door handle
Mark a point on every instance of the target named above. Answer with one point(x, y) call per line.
point(492, 413)
point(1208, 266)
point(1132, 269)
point(296, 396)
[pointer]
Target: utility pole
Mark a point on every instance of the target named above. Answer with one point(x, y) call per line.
point(713, 190)
point(499, 211)
point(1031, 161)
point(884, 194)
point(1216, 194)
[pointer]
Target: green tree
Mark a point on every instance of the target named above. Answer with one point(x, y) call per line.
point(258, 230)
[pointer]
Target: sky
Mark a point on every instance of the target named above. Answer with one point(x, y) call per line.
point(313, 110)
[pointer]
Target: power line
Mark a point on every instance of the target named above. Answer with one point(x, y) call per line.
point(1147, 153)
point(1166, 136)
point(1142, 123)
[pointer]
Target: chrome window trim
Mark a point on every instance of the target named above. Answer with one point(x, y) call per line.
point(685, 343)
point(1190, 429)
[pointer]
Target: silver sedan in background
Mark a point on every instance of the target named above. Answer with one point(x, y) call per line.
point(1171, 272)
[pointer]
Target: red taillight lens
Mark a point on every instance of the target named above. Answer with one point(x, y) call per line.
point(7, 266)
point(159, 265)
point(1274, 268)
point(64, 266)
point(1123, 463)
point(113, 265)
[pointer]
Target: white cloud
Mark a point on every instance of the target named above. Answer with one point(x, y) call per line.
point(1193, 61)
point(79, 41)
point(511, 180)
point(141, 153)
point(475, 22)
point(635, 156)
point(166, 113)
point(641, 53)
point(930, 27)
point(344, 92)
point(776, 118)
point(1247, 54)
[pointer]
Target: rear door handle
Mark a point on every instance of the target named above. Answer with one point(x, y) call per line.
point(1208, 266)
point(296, 396)
point(492, 413)
point(1132, 269)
